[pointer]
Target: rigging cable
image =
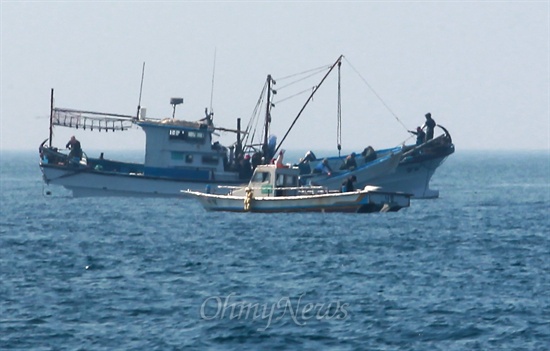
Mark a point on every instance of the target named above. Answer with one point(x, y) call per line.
point(378, 96)
point(254, 119)
point(317, 70)
point(293, 96)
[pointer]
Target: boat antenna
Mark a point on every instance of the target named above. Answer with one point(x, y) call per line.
point(339, 113)
point(212, 87)
point(51, 119)
point(140, 90)
point(307, 102)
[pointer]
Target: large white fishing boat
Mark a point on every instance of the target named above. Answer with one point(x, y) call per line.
point(178, 155)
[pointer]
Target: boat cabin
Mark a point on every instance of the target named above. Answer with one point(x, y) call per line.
point(176, 148)
point(271, 181)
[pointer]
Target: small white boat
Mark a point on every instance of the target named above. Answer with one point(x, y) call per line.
point(274, 189)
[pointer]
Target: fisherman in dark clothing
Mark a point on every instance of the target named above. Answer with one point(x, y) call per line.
point(347, 185)
point(430, 125)
point(76, 150)
point(369, 154)
point(256, 160)
point(350, 163)
point(420, 136)
point(245, 168)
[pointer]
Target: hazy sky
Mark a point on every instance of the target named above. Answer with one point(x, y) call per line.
point(480, 67)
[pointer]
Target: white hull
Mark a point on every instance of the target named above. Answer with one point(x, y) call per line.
point(357, 201)
point(85, 184)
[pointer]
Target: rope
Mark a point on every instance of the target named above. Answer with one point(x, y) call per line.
point(376, 94)
point(254, 119)
point(292, 96)
point(322, 68)
point(300, 80)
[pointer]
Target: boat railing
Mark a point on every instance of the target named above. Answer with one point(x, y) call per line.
point(231, 187)
point(269, 189)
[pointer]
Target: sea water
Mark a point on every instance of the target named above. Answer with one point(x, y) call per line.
point(467, 271)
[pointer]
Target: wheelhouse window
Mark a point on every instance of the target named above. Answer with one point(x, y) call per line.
point(180, 156)
point(209, 159)
point(285, 180)
point(187, 135)
point(177, 155)
point(261, 177)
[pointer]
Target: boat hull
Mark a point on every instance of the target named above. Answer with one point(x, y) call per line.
point(361, 201)
point(378, 169)
point(413, 172)
point(412, 177)
point(85, 182)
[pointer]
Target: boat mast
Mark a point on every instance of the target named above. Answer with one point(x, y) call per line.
point(307, 102)
point(51, 119)
point(265, 150)
point(140, 90)
point(339, 113)
point(238, 146)
point(212, 87)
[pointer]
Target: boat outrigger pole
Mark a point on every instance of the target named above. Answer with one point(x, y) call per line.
point(307, 102)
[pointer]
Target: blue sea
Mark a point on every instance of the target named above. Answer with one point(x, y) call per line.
point(467, 271)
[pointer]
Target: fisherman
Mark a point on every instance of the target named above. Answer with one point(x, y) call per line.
point(279, 160)
point(429, 125)
point(420, 136)
point(76, 150)
point(323, 168)
point(245, 168)
point(350, 163)
point(256, 160)
point(369, 154)
point(347, 185)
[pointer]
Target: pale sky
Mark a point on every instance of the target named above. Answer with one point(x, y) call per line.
point(482, 68)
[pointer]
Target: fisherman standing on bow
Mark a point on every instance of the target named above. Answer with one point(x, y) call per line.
point(429, 125)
